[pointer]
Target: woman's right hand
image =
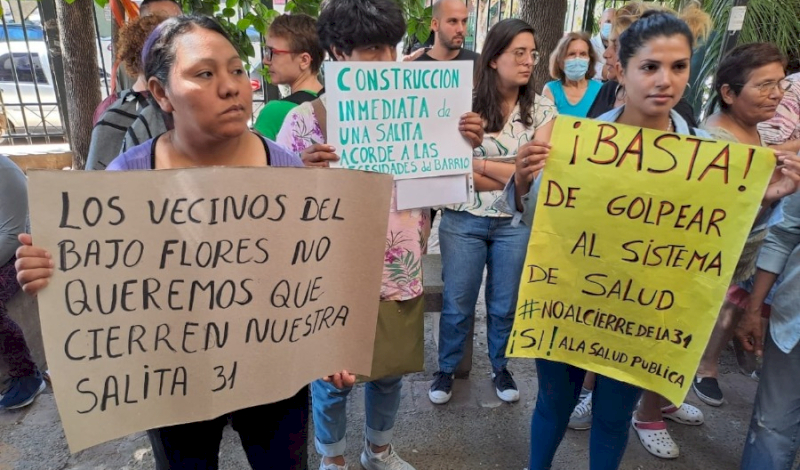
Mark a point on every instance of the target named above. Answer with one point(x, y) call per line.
point(530, 161)
point(34, 266)
point(319, 155)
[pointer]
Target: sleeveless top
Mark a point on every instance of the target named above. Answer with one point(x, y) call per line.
point(581, 108)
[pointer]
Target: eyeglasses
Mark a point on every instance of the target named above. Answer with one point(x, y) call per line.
point(766, 88)
point(270, 51)
point(520, 56)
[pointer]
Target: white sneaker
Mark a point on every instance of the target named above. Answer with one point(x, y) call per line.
point(386, 460)
point(332, 466)
point(581, 417)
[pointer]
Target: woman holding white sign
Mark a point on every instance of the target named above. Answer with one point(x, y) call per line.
point(194, 73)
point(654, 57)
point(367, 31)
point(477, 236)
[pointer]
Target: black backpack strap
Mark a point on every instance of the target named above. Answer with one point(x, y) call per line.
point(302, 96)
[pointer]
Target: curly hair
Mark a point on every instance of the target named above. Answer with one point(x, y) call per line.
point(698, 21)
point(132, 37)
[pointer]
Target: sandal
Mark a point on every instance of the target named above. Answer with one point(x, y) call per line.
point(656, 439)
point(686, 414)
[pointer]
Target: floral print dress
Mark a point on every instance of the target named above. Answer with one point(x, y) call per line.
point(408, 231)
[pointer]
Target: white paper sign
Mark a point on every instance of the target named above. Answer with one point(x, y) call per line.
point(400, 118)
point(737, 18)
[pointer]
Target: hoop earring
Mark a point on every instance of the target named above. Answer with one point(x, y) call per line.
point(620, 96)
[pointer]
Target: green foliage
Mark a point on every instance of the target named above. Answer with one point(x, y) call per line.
point(766, 21)
point(236, 16)
point(418, 18)
point(307, 7)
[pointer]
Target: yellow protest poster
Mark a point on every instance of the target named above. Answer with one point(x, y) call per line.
point(636, 236)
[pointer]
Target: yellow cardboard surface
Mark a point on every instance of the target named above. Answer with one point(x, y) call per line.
point(635, 239)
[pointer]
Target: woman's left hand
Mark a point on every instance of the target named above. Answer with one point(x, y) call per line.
point(471, 127)
point(341, 379)
point(785, 179)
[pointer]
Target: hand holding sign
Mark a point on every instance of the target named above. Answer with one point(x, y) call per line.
point(785, 179)
point(471, 127)
point(34, 266)
point(320, 155)
point(530, 161)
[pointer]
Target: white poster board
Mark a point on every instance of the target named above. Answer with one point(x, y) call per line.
point(402, 119)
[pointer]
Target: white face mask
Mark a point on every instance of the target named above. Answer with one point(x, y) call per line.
point(605, 30)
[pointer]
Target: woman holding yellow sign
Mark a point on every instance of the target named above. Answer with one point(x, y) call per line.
point(654, 60)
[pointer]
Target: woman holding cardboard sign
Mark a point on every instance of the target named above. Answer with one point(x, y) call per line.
point(195, 74)
point(654, 58)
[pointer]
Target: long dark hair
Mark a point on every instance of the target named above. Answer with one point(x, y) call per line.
point(488, 101)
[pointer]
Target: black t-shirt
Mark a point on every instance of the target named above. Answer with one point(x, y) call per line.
point(463, 54)
point(607, 96)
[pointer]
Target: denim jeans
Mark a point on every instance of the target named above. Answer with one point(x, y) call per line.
point(613, 403)
point(774, 433)
point(329, 406)
point(468, 244)
point(272, 436)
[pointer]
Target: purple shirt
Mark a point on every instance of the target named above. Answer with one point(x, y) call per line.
point(139, 157)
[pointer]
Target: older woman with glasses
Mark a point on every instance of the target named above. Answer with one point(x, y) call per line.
point(750, 84)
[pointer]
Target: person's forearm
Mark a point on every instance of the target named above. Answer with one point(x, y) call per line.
point(497, 171)
point(484, 183)
point(792, 146)
point(764, 280)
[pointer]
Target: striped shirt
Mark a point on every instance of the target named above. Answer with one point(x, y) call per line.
point(109, 132)
point(785, 126)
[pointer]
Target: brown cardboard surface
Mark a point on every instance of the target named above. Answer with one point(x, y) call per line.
point(159, 316)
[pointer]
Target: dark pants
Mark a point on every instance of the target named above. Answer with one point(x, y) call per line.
point(613, 403)
point(273, 436)
point(13, 350)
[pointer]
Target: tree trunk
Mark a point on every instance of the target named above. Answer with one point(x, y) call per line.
point(81, 72)
point(547, 18)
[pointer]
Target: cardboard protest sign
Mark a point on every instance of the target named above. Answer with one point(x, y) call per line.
point(181, 295)
point(635, 239)
point(402, 118)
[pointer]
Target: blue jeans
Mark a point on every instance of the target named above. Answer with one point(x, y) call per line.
point(468, 244)
point(329, 405)
point(774, 433)
point(613, 403)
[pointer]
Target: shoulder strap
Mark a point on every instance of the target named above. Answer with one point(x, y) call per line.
point(322, 117)
point(302, 96)
point(692, 131)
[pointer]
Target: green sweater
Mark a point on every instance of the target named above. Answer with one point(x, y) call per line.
point(271, 117)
